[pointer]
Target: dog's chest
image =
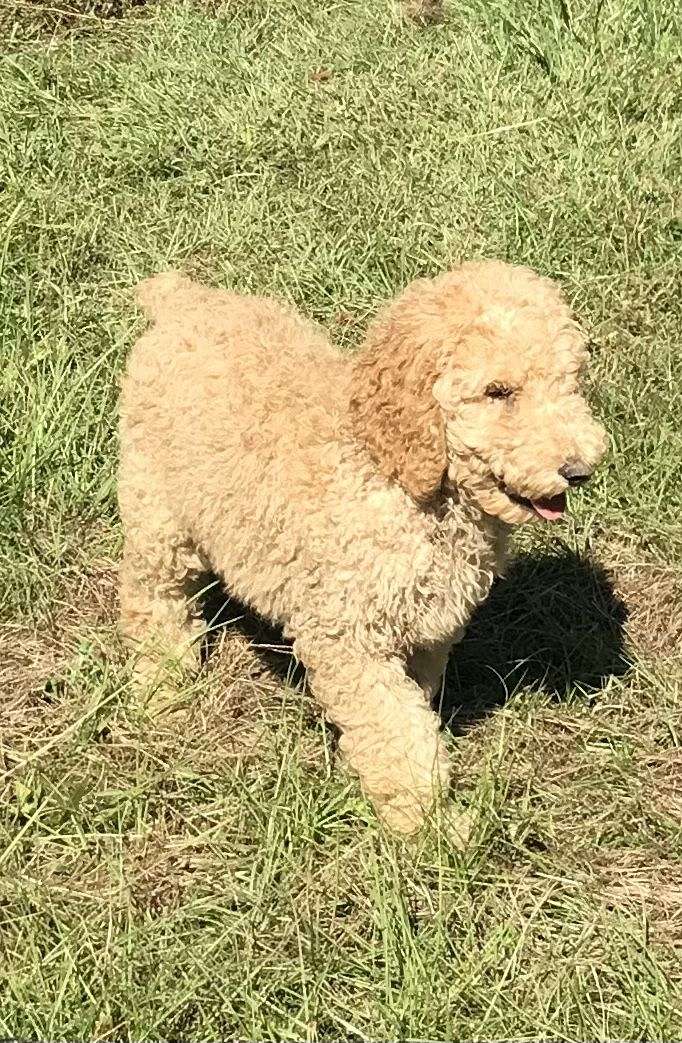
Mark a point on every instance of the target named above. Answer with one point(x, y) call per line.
point(459, 563)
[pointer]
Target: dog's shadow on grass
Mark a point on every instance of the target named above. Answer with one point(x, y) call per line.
point(224, 613)
point(554, 624)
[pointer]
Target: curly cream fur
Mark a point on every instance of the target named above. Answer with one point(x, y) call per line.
point(356, 501)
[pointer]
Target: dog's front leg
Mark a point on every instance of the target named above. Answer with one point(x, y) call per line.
point(390, 737)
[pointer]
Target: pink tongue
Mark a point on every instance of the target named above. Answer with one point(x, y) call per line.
point(551, 508)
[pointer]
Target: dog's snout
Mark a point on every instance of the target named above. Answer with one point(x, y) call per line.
point(575, 472)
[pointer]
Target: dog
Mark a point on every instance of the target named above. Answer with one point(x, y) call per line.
point(363, 502)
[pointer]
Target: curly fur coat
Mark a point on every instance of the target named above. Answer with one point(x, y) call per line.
point(363, 502)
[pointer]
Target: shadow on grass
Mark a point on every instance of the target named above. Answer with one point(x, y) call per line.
point(223, 612)
point(554, 624)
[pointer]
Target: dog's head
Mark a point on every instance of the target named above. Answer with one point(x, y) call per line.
point(472, 379)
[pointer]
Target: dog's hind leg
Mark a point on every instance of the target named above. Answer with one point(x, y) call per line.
point(159, 579)
point(427, 667)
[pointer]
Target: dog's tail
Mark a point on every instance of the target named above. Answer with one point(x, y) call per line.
point(154, 294)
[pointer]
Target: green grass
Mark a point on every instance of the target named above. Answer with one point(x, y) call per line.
point(215, 875)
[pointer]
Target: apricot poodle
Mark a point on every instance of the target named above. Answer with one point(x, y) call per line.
point(362, 502)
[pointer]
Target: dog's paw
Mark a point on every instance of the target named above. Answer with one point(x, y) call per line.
point(455, 827)
point(403, 814)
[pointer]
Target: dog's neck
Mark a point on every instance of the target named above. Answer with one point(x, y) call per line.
point(454, 499)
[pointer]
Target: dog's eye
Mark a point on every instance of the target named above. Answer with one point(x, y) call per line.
point(499, 391)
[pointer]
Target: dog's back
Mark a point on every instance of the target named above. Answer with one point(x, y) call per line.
point(219, 364)
point(233, 407)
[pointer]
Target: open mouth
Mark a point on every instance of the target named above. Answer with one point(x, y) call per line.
point(551, 508)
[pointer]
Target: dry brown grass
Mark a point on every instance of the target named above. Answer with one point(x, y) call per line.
point(647, 886)
point(424, 12)
point(653, 594)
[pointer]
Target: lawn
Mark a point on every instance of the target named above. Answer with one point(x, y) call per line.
point(214, 873)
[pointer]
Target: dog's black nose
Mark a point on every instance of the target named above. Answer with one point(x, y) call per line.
point(575, 472)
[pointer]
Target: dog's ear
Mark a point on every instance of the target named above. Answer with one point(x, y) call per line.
point(393, 409)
